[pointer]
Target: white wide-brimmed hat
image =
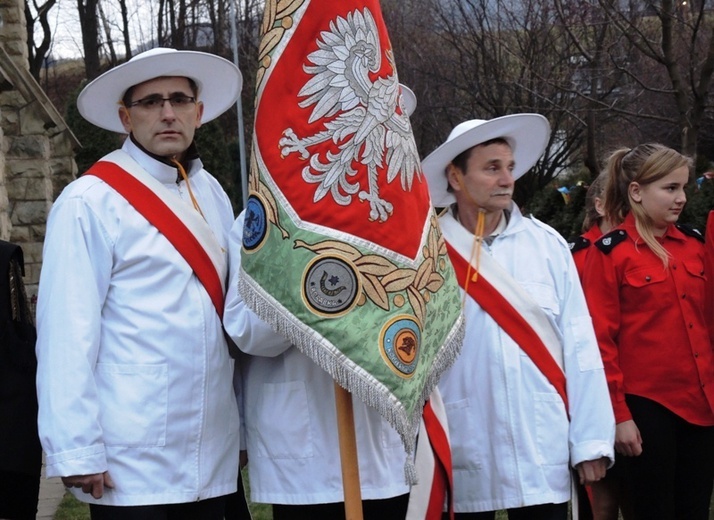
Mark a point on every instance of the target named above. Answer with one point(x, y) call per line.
point(527, 135)
point(219, 82)
point(408, 98)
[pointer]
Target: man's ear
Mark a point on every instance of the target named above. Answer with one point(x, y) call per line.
point(125, 118)
point(454, 176)
point(199, 113)
point(634, 190)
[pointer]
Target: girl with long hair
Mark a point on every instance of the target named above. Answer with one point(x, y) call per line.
point(645, 283)
point(594, 223)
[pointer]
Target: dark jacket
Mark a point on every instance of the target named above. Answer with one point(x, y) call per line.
point(20, 449)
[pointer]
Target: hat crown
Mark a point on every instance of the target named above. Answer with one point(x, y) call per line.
point(464, 127)
point(152, 52)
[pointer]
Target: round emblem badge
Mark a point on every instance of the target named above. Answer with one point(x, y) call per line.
point(330, 286)
point(400, 342)
point(255, 227)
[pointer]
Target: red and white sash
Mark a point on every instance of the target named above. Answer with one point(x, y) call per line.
point(182, 225)
point(433, 464)
point(513, 309)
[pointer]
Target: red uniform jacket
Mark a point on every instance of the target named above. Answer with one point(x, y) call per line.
point(709, 268)
point(650, 321)
point(581, 245)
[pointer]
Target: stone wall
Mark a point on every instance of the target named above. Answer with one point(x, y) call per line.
point(13, 31)
point(36, 146)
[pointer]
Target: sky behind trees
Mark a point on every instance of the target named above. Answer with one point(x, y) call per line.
point(604, 75)
point(67, 39)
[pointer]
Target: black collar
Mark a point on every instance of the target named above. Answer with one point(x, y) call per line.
point(190, 155)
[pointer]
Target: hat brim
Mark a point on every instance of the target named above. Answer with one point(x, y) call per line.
point(527, 134)
point(408, 99)
point(219, 83)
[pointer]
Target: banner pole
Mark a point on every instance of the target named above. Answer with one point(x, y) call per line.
point(348, 454)
point(243, 173)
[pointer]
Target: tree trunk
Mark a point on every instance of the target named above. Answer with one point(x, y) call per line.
point(36, 55)
point(89, 26)
point(107, 34)
point(125, 29)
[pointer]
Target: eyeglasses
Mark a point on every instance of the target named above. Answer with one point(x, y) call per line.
point(156, 102)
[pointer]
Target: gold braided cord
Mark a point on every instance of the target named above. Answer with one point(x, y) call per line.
point(478, 237)
point(475, 252)
point(182, 171)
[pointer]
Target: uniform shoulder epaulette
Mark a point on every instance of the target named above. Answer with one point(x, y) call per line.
point(607, 242)
point(578, 243)
point(691, 231)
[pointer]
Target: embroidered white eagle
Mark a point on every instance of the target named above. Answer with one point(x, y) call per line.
point(360, 115)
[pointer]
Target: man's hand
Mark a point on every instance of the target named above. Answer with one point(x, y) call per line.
point(93, 484)
point(628, 441)
point(591, 471)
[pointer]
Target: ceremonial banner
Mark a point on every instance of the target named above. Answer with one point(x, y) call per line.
point(342, 252)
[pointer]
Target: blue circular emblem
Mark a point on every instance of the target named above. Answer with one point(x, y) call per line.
point(255, 226)
point(400, 345)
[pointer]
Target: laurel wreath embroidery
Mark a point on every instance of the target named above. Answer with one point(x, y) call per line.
point(381, 278)
point(276, 20)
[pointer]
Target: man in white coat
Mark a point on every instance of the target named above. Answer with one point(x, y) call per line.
point(291, 425)
point(527, 399)
point(137, 412)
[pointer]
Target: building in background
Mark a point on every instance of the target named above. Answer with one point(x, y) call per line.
point(36, 146)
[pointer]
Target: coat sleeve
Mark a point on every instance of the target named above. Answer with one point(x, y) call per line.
point(592, 428)
point(251, 334)
point(601, 290)
point(73, 285)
